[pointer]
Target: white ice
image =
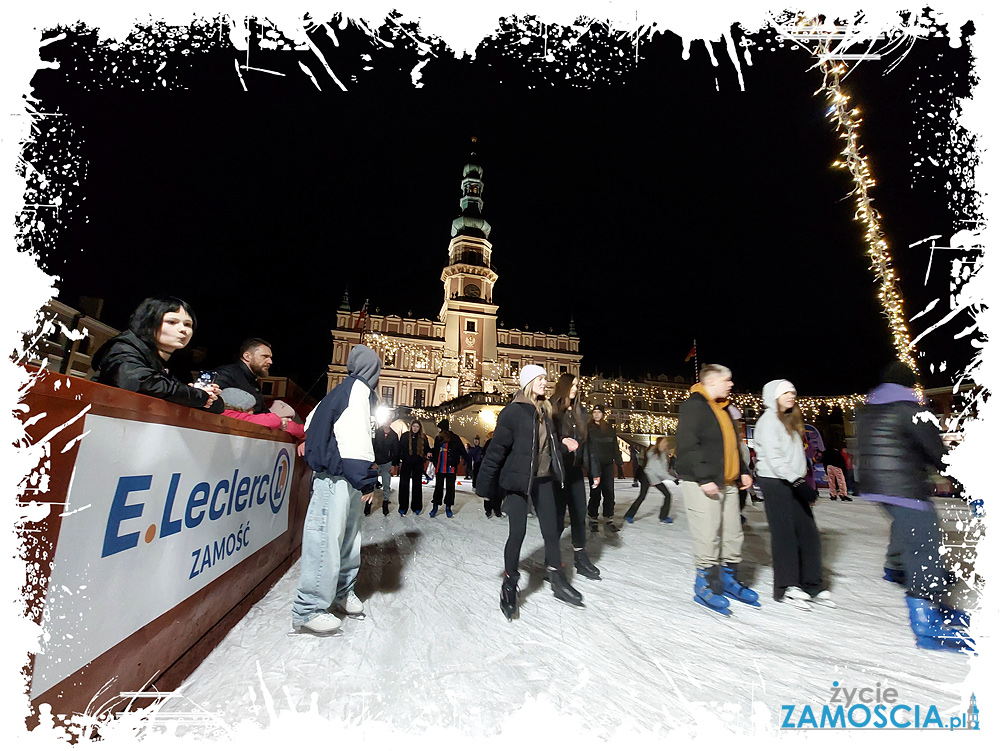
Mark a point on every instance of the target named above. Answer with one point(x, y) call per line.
point(434, 650)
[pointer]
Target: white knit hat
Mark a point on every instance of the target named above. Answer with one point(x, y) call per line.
point(784, 387)
point(530, 373)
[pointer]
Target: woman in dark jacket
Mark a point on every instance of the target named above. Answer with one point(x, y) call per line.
point(413, 454)
point(524, 461)
point(570, 420)
point(136, 359)
point(448, 451)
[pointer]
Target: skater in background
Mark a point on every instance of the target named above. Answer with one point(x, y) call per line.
point(898, 440)
point(711, 472)
point(836, 483)
point(386, 456)
point(779, 438)
point(413, 454)
point(619, 467)
point(602, 449)
point(447, 453)
point(524, 462)
point(570, 420)
point(656, 474)
point(636, 462)
point(492, 504)
point(475, 458)
point(338, 449)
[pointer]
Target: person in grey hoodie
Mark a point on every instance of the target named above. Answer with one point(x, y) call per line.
point(779, 439)
point(340, 452)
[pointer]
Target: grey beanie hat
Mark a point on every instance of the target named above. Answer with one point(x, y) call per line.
point(238, 399)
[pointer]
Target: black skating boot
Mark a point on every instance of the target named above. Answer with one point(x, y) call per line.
point(561, 588)
point(508, 597)
point(584, 567)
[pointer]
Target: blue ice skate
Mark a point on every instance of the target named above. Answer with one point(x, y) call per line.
point(732, 587)
point(929, 627)
point(704, 595)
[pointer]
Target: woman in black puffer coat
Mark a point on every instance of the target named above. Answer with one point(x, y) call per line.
point(522, 462)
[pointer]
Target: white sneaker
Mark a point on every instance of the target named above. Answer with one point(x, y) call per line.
point(824, 598)
point(796, 598)
point(321, 623)
point(349, 605)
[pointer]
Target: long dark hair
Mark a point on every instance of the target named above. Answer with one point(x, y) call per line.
point(148, 317)
point(561, 402)
point(419, 435)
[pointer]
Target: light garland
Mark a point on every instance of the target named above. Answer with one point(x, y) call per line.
point(421, 356)
point(848, 123)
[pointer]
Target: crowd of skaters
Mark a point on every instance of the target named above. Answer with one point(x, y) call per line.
point(544, 447)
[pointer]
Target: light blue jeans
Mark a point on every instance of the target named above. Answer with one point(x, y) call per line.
point(331, 546)
point(385, 477)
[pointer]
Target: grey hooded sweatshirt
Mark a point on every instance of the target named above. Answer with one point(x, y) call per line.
point(780, 454)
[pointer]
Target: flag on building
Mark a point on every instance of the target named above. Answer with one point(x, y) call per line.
point(692, 352)
point(360, 325)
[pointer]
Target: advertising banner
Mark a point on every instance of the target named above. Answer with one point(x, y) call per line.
point(154, 513)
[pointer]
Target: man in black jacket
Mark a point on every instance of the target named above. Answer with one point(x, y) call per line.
point(712, 472)
point(386, 457)
point(254, 363)
point(602, 451)
point(898, 440)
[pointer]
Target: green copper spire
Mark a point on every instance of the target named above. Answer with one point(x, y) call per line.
point(471, 222)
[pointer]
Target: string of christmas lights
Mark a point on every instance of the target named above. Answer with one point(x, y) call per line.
point(848, 123)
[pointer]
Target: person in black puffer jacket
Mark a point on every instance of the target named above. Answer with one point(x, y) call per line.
point(136, 359)
point(570, 420)
point(898, 440)
point(524, 461)
point(602, 450)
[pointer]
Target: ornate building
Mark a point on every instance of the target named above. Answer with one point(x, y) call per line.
point(427, 363)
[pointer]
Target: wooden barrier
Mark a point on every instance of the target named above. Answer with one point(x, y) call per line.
point(169, 647)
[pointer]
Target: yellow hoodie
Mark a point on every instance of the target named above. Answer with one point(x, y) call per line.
point(730, 451)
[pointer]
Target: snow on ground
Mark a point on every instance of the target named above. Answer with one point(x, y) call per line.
point(434, 650)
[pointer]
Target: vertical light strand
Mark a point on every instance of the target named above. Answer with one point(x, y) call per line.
point(848, 122)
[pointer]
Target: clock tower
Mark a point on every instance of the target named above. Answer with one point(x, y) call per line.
point(468, 313)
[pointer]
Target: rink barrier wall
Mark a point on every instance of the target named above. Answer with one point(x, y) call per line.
point(160, 654)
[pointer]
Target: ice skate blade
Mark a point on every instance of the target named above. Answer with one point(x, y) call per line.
point(299, 631)
point(585, 575)
point(721, 611)
point(744, 602)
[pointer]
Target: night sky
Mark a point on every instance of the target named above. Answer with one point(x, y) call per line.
point(639, 199)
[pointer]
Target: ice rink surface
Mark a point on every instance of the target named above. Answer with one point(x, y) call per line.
point(434, 650)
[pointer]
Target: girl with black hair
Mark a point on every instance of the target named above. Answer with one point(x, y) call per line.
point(524, 462)
point(136, 359)
point(413, 454)
point(570, 421)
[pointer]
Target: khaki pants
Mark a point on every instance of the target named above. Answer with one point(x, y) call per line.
point(715, 524)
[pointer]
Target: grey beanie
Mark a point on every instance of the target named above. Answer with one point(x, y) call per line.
point(238, 399)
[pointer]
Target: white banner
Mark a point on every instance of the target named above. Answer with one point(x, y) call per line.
point(153, 514)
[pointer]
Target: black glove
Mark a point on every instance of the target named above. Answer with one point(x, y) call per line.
point(803, 492)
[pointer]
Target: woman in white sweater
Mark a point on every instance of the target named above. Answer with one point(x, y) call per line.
point(781, 468)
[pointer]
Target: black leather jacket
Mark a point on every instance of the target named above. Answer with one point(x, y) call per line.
point(129, 363)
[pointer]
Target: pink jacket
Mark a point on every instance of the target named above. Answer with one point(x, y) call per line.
point(268, 420)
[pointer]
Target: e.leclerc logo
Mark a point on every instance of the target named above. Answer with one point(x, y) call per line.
point(205, 504)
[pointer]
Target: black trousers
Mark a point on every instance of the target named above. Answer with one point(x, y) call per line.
point(573, 496)
point(643, 489)
point(516, 508)
point(475, 473)
point(444, 485)
point(410, 478)
point(605, 489)
point(795, 544)
point(919, 537)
